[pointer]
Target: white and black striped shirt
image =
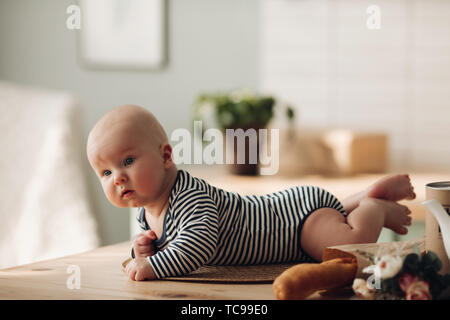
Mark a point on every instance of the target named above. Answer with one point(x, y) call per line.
point(207, 225)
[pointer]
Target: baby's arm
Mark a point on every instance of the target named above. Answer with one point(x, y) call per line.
point(139, 269)
point(143, 244)
point(196, 241)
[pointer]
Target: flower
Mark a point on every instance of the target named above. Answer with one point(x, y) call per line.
point(418, 290)
point(414, 288)
point(410, 277)
point(363, 290)
point(386, 267)
point(406, 280)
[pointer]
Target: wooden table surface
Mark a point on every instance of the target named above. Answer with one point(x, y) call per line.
point(101, 277)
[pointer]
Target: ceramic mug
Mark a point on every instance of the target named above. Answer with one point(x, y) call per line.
point(433, 237)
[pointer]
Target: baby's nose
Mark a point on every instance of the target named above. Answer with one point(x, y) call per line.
point(119, 179)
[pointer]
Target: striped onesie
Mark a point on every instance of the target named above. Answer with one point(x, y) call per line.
point(207, 225)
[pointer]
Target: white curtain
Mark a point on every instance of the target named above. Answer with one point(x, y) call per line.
point(45, 211)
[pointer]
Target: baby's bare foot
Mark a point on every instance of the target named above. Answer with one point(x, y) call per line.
point(394, 188)
point(396, 216)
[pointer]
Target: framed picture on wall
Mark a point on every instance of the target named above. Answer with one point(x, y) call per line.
point(122, 34)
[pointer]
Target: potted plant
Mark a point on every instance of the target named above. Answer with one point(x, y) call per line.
point(238, 109)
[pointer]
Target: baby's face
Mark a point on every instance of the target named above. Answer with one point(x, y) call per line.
point(131, 170)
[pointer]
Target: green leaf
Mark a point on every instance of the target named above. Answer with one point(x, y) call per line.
point(411, 264)
point(431, 262)
point(239, 109)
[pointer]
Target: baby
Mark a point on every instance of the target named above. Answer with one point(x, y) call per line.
point(189, 223)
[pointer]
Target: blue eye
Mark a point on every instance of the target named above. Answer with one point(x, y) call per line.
point(129, 161)
point(106, 173)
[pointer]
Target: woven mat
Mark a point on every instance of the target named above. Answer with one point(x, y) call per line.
point(232, 274)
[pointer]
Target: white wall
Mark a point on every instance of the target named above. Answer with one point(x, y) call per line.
point(213, 44)
point(320, 56)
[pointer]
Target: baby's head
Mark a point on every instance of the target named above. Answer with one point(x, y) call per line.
point(130, 153)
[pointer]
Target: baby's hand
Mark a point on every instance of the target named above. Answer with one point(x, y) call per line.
point(143, 244)
point(140, 269)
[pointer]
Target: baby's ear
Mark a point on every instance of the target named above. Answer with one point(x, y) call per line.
point(166, 151)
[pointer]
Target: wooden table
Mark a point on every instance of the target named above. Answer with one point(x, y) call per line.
point(101, 277)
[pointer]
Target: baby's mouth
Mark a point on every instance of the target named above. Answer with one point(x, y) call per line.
point(127, 193)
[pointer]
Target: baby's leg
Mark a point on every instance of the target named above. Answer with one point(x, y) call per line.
point(395, 187)
point(327, 227)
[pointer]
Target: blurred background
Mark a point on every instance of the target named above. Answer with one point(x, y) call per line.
point(368, 80)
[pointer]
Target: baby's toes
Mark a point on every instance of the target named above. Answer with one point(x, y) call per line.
point(411, 194)
point(408, 221)
point(400, 230)
point(407, 216)
point(404, 210)
point(405, 221)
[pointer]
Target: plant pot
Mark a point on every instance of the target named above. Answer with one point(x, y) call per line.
point(250, 146)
